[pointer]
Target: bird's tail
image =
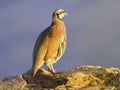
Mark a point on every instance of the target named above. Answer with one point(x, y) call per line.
point(36, 67)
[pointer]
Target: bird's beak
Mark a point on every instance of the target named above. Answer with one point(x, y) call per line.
point(65, 14)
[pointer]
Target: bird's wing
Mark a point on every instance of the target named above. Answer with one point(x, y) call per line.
point(40, 49)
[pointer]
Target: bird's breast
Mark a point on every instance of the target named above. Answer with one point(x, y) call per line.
point(55, 38)
point(57, 31)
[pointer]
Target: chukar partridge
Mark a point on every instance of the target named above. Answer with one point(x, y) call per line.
point(51, 43)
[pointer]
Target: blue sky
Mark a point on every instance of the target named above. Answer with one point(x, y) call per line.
point(93, 33)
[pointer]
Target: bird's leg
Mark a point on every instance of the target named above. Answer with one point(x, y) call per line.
point(51, 68)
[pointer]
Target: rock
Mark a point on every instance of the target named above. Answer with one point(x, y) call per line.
point(80, 78)
point(12, 83)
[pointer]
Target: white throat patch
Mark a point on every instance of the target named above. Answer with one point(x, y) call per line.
point(61, 15)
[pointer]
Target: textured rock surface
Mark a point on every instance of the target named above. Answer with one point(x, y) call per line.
point(12, 83)
point(80, 78)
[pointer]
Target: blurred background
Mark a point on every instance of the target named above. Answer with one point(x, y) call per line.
point(93, 30)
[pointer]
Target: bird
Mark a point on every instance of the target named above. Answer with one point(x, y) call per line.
point(51, 43)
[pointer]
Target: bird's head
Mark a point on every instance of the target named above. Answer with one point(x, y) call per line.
point(59, 13)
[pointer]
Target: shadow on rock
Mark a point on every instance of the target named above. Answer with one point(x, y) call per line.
point(44, 79)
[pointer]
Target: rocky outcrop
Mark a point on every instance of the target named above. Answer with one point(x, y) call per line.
point(12, 83)
point(80, 78)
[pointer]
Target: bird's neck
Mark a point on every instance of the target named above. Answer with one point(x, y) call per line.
point(57, 21)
